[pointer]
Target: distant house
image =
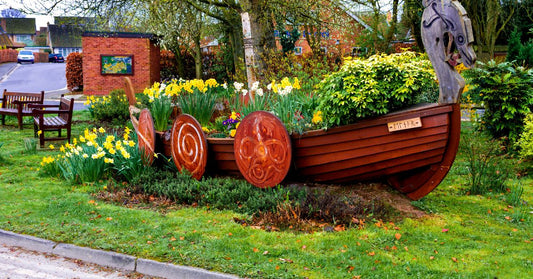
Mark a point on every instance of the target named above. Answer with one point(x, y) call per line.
point(5, 41)
point(21, 31)
point(64, 36)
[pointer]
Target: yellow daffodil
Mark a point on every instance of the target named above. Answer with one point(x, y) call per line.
point(317, 117)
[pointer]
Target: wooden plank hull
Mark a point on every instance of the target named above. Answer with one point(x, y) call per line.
point(414, 161)
point(221, 157)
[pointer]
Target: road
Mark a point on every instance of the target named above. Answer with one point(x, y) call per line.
point(36, 77)
point(26, 77)
point(16, 263)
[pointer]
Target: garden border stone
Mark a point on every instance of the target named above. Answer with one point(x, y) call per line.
point(27, 242)
point(166, 270)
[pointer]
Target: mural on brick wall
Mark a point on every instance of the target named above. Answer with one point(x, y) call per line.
point(109, 57)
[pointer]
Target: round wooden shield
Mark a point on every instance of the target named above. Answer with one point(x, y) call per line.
point(189, 145)
point(146, 135)
point(262, 149)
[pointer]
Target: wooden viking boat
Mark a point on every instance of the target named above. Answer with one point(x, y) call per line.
point(412, 149)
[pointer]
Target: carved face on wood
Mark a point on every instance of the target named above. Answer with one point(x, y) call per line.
point(455, 30)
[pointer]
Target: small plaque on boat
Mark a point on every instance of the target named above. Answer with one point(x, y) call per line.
point(406, 124)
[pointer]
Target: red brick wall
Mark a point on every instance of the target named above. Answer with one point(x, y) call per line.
point(145, 63)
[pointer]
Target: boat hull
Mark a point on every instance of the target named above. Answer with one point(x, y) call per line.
point(413, 160)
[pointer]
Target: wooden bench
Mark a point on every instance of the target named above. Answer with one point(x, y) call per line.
point(16, 104)
point(61, 120)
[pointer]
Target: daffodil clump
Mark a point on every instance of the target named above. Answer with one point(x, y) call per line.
point(283, 98)
point(198, 98)
point(112, 108)
point(93, 154)
point(160, 103)
point(293, 107)
point(195, 97)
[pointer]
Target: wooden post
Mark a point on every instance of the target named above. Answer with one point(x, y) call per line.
point(249, 54)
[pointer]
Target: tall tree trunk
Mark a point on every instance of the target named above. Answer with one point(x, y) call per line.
point(197, 50)
point(262, 30)
point(180, 64)
point(392, 28)
point(235, 35)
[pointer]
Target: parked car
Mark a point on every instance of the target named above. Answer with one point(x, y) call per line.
point(56, 58)
point(25, 56)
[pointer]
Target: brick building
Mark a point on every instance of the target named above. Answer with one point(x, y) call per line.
point(136, 55)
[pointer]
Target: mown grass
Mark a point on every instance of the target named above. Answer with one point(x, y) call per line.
point(463, 236)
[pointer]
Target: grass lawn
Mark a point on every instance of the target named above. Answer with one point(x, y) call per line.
point(462, 236)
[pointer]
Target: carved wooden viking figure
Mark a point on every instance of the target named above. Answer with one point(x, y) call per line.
point(447, 35)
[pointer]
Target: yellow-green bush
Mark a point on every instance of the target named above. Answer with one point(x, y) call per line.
point(526, 139)
point(374, 86)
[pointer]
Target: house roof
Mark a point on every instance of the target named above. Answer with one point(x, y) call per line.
point(120, 35)
point(65, 35)
point(4, 39)
point(86, 23)
point(21, 26)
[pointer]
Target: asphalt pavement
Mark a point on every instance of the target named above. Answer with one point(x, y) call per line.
point(51, 96)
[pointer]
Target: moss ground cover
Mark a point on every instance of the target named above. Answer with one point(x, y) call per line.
point(462, 236)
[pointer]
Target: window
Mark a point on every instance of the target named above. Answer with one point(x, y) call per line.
point(22, 38)
point(298, 50)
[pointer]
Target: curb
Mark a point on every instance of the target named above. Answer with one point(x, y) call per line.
point(109, 259)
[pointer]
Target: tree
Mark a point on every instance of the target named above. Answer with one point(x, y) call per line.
point(379, 36)
point(412, 17)
point(12, 13)
point(488, 22)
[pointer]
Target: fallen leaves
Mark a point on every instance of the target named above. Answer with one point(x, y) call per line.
point(397, 236)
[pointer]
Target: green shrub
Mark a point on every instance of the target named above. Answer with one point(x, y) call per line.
point(374, 86)
point(218, 193)
point(506, 93)
point(487, 169)
point(521, 54)
point(526, 139)
point(113, 108)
